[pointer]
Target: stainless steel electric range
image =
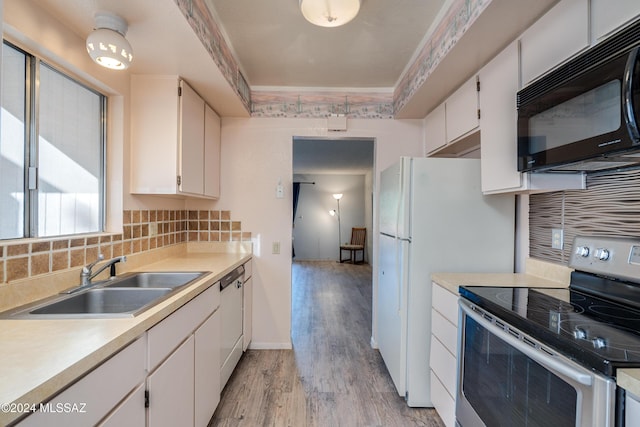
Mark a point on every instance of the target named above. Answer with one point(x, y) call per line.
point(549, 357)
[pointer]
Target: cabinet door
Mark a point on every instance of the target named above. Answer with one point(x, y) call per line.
point(211, 153)
point(114, 379)
point(154, 133)
point(207, 368)
point(247, 311)
point(462, 110)
point(499, 122)
point(129, 413)
point(435, 129)
point(555, 37)
point(191, 141)
point(171, 389)
point(606, 17)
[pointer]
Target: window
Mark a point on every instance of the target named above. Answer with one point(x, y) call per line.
point(51, 151)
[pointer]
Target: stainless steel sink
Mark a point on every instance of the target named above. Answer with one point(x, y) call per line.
point(170, 280)
point(124, 296)
point(103, 301)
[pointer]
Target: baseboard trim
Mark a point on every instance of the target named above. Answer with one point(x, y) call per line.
point(270, 345)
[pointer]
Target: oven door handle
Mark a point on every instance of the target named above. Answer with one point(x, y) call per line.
point(544, 359)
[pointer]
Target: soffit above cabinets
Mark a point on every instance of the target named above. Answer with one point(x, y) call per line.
point(275, 48)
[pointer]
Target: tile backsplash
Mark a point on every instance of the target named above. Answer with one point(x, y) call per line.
point(143, 230)
point(610, 206)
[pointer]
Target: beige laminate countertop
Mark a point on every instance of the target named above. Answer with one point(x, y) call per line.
point(451, 281)
point(38, 358)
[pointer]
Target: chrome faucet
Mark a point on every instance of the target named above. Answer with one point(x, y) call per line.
point(87, 274)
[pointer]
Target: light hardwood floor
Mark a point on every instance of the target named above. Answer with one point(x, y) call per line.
point(332, 377)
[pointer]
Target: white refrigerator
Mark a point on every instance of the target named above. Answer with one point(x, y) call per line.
point(433, 218)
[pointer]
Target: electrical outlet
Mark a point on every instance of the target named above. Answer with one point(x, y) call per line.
point(557, 238)
point(153, 229)
point(275, 248)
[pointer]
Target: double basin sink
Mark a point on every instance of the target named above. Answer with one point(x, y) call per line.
point(123, 296)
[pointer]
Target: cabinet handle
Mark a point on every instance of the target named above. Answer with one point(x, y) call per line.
point(239, 284)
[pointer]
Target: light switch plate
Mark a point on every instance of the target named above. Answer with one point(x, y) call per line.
point(557, 238)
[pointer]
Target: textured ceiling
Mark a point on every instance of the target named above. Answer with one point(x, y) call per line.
point(276, 46)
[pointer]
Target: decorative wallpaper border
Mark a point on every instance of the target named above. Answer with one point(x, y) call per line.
point(459, 18)
point(610, 206)
point(321, 104)
point(206, 28)
point(316, 104)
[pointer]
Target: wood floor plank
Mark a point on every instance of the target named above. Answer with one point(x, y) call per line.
point(332, 377)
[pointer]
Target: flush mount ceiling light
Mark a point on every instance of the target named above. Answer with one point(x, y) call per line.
point(329, 13)
point(106, 44)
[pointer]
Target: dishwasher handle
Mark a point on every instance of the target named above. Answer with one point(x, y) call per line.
point(236, 275)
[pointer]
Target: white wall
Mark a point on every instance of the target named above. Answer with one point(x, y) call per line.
point(315, 234)
point(256, 153)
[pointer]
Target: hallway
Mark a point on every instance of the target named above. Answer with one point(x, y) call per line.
point(332, 377)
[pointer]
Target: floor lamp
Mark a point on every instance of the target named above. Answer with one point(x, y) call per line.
point(338, 196)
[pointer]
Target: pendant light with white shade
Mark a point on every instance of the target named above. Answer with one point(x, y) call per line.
point(329, 13)
point(106, 44)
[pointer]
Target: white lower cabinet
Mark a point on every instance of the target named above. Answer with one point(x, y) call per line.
point(207, 363)
point(247, 312)
point(98, 394)
point(632, 410)
point(171, 389)
point(174, 369)
point(444, 332)
point(130, 413)
point(184, 382)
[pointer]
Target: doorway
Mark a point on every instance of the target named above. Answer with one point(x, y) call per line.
point(324, 168)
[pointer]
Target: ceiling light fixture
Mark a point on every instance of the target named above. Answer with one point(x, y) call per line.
point(106, 44)
point(329, 13)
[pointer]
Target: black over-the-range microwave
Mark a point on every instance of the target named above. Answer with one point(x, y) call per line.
point(585, 115)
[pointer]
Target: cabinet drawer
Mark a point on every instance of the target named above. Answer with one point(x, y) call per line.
point(443, 402)
point(444, 331)
point(446, 303)
point(114, 379)
point(443, 364)
point(168, 334)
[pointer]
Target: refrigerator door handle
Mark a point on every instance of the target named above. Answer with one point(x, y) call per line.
point(398, 276)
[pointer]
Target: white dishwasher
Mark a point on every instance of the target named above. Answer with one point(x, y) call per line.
point(231, 301)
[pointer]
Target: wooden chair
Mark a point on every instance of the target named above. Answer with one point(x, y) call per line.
point(358, 240)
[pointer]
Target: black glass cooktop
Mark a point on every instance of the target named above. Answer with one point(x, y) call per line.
point(593, 331)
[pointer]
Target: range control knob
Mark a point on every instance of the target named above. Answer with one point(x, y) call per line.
point(602, 254)
point(582, 251)
point(599, 343)
point(579, 333)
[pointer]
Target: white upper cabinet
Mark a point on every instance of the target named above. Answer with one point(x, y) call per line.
point(462, 110)
point(608, 16)
point(498, 122)
point(499, 118)
point(191, 141)
point(211, 153)
point(175, 140)
point(447, 128)
point(555, 37)
point(435, 136)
